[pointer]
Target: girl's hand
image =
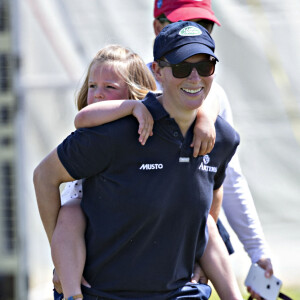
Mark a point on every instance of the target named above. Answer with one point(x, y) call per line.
point(204, 136)
point(145, 120)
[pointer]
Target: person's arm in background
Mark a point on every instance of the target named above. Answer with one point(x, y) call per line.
point(107, 111)
point(238, 201)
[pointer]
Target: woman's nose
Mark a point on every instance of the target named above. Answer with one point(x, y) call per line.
point(194, 75)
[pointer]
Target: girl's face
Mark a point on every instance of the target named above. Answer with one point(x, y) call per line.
point(105, 84)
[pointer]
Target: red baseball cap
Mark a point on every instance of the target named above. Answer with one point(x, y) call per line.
point(176, 10)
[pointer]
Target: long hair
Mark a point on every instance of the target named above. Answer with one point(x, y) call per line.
point(128, 65)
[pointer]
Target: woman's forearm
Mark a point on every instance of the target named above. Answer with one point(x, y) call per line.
point(216, 203)
point(48, 176)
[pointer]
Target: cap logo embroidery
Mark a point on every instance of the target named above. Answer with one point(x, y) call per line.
point(159, 3)
point(190, 31)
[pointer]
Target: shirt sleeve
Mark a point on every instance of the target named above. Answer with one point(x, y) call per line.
point(229, 142)
point(86, 152)
point(225, 108)
point(72, 190)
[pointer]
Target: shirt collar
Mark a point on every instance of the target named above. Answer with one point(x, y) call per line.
point(154, 106)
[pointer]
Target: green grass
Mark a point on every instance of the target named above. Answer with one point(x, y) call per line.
point(292, 292)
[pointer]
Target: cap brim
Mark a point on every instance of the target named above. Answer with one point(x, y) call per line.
point(190, 13)
point(180, 54)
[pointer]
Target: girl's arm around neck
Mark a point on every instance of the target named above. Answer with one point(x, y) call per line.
point(110, 110)
point(204, 131)
point(103, 112)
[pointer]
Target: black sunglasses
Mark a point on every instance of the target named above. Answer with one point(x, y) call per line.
point(204, 68)
point(207, 24)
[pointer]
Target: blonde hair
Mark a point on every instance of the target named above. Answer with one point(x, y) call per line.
point(128, 65)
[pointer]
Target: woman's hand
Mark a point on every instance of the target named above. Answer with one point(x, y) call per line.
point(145, 120)
point(56, 282)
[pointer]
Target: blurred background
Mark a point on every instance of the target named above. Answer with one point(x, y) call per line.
point(45, 48)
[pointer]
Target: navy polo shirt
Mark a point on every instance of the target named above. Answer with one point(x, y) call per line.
point(146, 206)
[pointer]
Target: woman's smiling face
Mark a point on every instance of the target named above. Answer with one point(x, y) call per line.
point(185, 93)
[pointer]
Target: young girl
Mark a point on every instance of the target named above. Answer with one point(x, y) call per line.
point(115, 73)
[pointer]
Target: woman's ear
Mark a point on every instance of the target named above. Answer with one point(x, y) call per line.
point(157, 26)
point(156, 69)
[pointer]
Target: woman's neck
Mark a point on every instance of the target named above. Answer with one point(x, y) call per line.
point(184, 118)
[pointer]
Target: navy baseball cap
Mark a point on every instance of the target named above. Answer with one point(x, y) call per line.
point(181, 40)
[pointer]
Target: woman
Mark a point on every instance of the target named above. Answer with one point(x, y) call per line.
point(146, 206)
